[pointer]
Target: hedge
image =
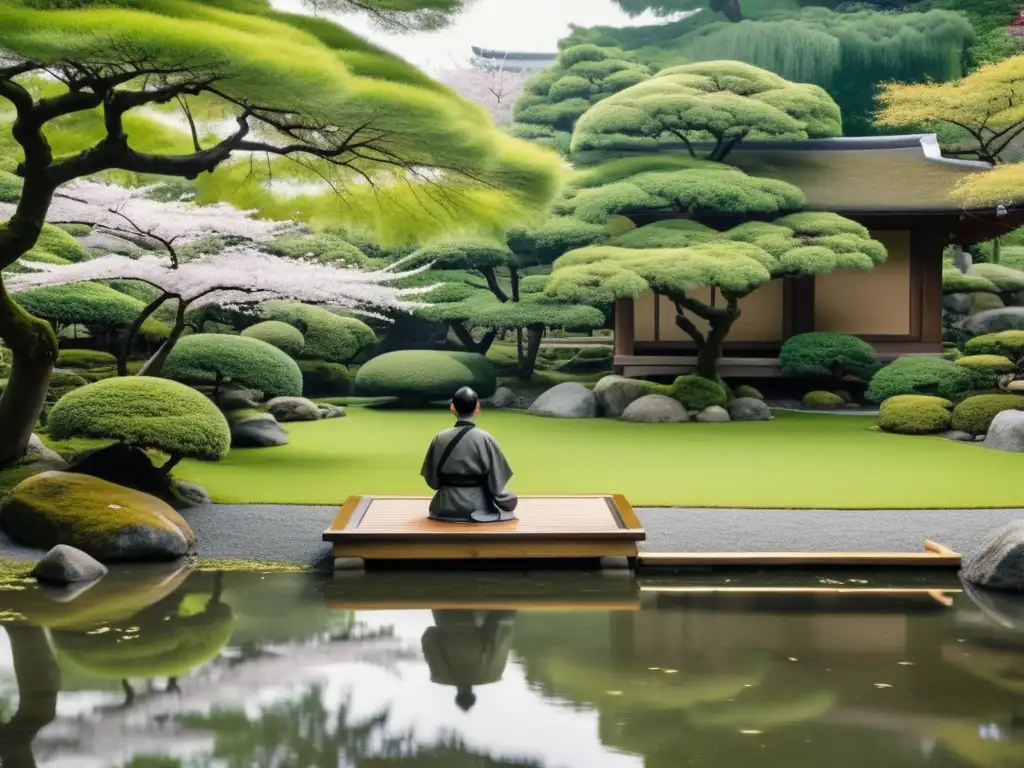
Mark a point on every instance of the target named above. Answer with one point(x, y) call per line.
point(1007, 343)
point(328, 336)
point(975, 414)
point(926, 376)
point(285, 337)
point(56, 241)
point(833, 355)
point(203, 357)
point(823, 400)
point(323, 379)
point(143, 411)
point(697, 393)
point(418, 377)
point(915, 414)
point(88, 304)
point(85, 358)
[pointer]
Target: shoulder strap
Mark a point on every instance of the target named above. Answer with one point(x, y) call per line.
point(451, 445)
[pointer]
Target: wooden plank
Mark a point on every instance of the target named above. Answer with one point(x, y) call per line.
point(424, 604)
point(626, 513)
point(474, 549)
point(801, 590)
point(691, 559)
point(345, 513)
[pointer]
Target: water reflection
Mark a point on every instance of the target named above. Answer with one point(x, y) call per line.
point(163, 668)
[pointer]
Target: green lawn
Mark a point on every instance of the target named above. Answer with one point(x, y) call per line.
point(795, 461)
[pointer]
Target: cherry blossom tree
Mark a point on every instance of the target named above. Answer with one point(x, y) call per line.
point(240, 276)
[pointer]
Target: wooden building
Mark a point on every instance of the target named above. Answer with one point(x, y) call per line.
point(899, 188)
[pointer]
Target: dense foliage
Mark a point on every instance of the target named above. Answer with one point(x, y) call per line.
point(285, 337)
point(211, 358)
point(327, 336)
point(926, 376)
point(975, 414)
point(915, 414)
point(1005, 343)
point(418, 377)
point(147, 412)
point(88, 304)
point(834, 355)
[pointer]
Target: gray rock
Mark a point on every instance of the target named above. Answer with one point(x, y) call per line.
point(614, 393)
point(748, 409)
point(260, 431)
point(958, 436)
point(503, 397)
point(67, 565)
point(1005, 609)
point(713, 414)
point(235, 399)
point(328, 411)
point(962, 259)
point(1006, 432)
point(1017, 299)
point(979, 438)
point(191, 494)
point(999, 562)
point(566, 401)
point(995, 320)
point(655, 409)
point(293, 409)
point(957, 303)
point(42, 457)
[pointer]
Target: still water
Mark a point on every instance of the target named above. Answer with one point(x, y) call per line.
point(158, 669)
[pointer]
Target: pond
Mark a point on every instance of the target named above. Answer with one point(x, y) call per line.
point(161, 668)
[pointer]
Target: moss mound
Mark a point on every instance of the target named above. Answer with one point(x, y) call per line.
point(834, 355)
point(975, 414)
point(85, 358)
point(990, 364)
point(933, 376)
point(107, 521)
point(55, 241)
point(143, 411)
point(697, 393)
point(285, 337)
point(329, 337)
point(418, 377)
point(205, 358)
point(745, 390)
point(915, 415)
point(822, 400)
point(1006, 343)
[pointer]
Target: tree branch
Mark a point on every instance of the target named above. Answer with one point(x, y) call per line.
point(492, 283)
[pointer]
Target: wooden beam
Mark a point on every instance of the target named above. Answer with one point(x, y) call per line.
point(935, 555)
point(625, 331)
point(931, 246)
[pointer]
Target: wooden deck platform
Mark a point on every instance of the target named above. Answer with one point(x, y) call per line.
point(564, 528)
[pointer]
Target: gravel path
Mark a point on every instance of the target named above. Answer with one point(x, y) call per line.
point(292, 534)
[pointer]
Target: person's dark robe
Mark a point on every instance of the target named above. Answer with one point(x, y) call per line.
point(468, 648)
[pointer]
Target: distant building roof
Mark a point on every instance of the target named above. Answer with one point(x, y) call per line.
point(513, 61)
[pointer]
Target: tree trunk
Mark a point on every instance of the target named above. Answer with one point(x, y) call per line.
point(527, 365)
point(122, 357)
point(728, 8)
point(38, 679)
point(34, 351)
point(155, 365)
point(710, 353)
point(469, 343)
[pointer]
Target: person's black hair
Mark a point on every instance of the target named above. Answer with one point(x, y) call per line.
point(465, 698)
point(465, 401)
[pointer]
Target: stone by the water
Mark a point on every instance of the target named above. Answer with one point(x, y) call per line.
point(655, 409)
point(713, 414)
point(259, 430)
point(566, 401)
point(293, 409)
point(329, 411)
point(748, 409)
point(42, 457)
point(503, 397)
point(190, 494)
point(67, 565)
point(615, 393)
point(999, 562)
point(1006, 432)
point(237, 398)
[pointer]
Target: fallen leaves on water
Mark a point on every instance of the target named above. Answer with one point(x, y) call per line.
point(614, 693)
point(751, 732)
point(670, 671)
point(882, 685)
point(905, 663)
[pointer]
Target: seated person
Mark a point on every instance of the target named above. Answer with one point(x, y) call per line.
point(467, 469)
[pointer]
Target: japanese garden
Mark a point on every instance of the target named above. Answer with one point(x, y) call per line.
point(736, 261)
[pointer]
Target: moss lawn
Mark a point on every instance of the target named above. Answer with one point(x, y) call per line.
point(799, 461)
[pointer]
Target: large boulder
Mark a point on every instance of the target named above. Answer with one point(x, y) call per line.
point(237, 398)
point(614, 393)
point(503, 397)
point(67, 565)
point(999, 562)
point(957, 303)
point(107, 521)
point(566, 401)
point(748, 409)
point(294, 409)
point(655, 409)
point(1006, 432)
point(713, 414)
point(995, 320)
point(253, 429)
point(41, 457)
point(329, 411)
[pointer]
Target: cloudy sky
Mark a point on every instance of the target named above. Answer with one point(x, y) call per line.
point(525, 25)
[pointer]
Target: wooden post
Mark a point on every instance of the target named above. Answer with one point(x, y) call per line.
point(624, 332)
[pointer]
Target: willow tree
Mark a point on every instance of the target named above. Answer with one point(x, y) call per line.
point(850, 54)
point(707, 110)
point(554, 98)
point(299, 92)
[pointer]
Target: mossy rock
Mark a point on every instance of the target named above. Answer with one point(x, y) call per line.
point(110, 522)
point(975, 414)
point(418, 377)
point(85, 358)
point(983, 302)
point(745, 390)
point(823, 401)
point(915, 415)
point(697, 393)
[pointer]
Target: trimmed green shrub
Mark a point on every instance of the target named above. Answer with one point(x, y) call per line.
point(485, 378)
point(143, 411)
point(85, 358)
point(208, 358)
point(88, 304)
point(952, 354)
point(5, 361)
point(926, 376)
point(62, 382)
point(418, 377)
point(323, 379)
point(989, 364)
point(1007, 343)
point(154, 331)
point(975, 414)
point(98, 374)
point(697, 393)
point(835, 355)
point(915, 415)
point(56, 241)
point(745, 390)
point(285, 337)
point(325, 247)
point(10, 187)
point(328, 336)
point(823, 400)
point(75, 230)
